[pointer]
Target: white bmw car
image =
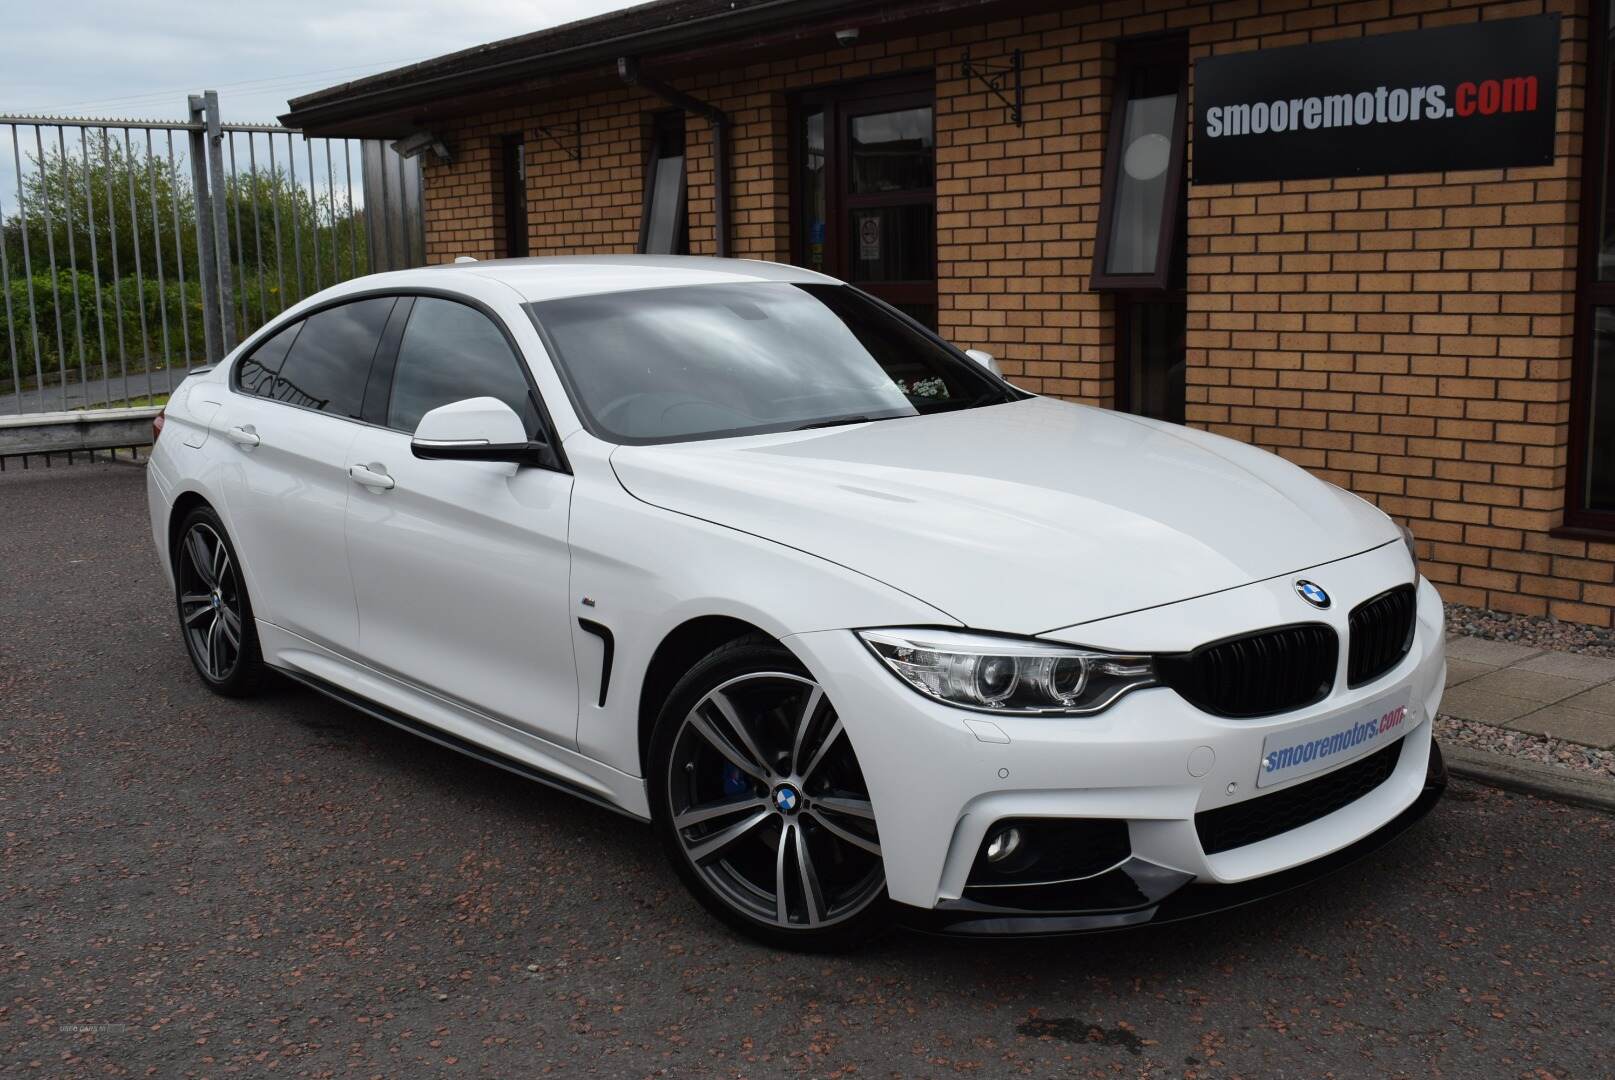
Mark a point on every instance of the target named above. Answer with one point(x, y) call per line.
point(862, 630)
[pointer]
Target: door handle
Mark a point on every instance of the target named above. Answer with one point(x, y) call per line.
point(243, 435)
point(370, 478)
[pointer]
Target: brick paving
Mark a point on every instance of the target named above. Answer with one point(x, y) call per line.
point(1558, 695)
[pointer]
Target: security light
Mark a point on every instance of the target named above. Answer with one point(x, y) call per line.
point(420, 142)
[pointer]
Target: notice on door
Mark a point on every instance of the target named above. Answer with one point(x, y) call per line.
point(1480, 96)
point(869, 239)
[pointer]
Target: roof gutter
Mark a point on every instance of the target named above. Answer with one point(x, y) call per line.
point(421, 86)
point(628, 70)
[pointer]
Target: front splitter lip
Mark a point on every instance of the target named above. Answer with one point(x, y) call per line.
point(1170, 895)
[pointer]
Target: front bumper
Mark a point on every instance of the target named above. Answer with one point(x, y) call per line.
point(1139, 893)
point(940, 777)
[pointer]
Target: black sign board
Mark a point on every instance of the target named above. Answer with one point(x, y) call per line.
point(1479, 96)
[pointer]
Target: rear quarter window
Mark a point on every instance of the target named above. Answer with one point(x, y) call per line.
point(258, 372)
point(322, 362)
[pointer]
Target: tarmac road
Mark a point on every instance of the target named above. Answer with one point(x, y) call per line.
point(196, 887)
point(97, 392)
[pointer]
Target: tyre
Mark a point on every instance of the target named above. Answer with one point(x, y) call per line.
point(759, 802)
point(215, 613)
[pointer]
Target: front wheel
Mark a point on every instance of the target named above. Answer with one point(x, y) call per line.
point(760, 803)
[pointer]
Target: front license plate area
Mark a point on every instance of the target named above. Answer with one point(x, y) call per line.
point(1334, 740)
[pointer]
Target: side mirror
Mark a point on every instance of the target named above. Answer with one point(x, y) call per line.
point(478, 429)
point(986, 360)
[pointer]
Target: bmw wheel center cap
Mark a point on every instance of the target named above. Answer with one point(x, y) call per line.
point(1312, 593)
point(787, 799)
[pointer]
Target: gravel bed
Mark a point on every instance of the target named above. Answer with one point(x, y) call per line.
point(1530, 630)
point(1527, 747)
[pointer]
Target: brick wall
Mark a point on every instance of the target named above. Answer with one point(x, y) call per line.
point(591, 204)
point(1016, 206)
point(1407, 337)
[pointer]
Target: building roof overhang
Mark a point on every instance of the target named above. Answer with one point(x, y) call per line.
point(671, 37)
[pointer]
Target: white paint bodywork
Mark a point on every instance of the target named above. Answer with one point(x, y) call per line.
point(481, 419)
point(454, 595)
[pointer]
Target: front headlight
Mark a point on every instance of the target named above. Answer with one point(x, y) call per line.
point(1412, 546)
point(1014, 676)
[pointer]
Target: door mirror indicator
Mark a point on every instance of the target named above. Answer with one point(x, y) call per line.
point(479, 429)
point(986, 360)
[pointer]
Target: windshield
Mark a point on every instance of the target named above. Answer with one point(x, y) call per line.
point(707, 361)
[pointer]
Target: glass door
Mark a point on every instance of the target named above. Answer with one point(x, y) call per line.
point(866, 191)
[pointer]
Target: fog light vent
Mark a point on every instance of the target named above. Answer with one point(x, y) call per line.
point(1030, 851)
point(1003, 845)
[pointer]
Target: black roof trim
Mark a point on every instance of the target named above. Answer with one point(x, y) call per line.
point(659, 25)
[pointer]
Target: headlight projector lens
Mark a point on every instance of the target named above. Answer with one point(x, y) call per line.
point(1006, 675)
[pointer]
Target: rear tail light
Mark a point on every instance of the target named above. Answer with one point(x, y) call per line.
point(157, 424)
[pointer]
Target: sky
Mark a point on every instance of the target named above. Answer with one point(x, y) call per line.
point(139, 58)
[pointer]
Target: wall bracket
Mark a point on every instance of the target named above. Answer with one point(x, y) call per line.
point(1003, 81)
point(568, 138)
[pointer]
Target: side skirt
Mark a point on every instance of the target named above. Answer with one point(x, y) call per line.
point(451, 741)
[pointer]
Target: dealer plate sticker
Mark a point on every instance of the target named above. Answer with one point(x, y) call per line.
point(1334, 740)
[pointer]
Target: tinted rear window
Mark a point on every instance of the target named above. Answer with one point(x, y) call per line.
point(330, 359)
point(259, 373)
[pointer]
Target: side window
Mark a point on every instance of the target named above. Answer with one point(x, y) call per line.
point(260, 373)
point(451, 352)
point(329, 362)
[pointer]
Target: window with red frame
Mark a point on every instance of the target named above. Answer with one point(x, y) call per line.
point(1139, 252)
point(1590, 501)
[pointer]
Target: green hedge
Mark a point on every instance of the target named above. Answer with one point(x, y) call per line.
point(82, 332)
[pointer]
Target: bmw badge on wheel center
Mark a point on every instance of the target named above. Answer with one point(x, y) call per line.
point(864, 632)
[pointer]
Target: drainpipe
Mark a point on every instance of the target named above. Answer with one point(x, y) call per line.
point(628, 69)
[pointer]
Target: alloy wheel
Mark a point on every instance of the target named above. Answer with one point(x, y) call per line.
point(769, 805)
point(210, 602)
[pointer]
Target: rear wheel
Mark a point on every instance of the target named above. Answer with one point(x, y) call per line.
point(760, 802)
point(215, 614)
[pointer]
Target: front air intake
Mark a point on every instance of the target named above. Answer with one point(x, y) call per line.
point(1381, 634)
point(1261, 674)
point(1267, 816)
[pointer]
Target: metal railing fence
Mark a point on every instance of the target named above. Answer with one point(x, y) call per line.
point(133, 250)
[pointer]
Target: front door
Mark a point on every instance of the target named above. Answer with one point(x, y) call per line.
point(866, 189)
point(461, 568)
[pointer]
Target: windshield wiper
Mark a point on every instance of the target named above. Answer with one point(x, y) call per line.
point(841, 420)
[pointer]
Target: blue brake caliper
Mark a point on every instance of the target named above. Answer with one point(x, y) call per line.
point(734, 781)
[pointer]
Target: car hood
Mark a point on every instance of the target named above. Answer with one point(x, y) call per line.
point(1024, 517)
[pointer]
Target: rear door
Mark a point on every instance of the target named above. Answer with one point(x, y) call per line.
point(461, 568)
point(292, 416)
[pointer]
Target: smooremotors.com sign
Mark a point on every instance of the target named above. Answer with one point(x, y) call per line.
point(1480, 96)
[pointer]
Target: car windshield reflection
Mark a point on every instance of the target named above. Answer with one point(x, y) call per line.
point(710, 361)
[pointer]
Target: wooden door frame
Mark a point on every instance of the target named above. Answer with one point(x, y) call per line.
point(840, 102)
